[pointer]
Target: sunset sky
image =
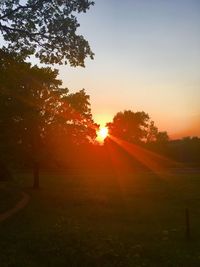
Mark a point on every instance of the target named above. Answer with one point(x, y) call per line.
point(147, 57)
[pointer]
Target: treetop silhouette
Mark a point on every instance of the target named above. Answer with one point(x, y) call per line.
point(135, 127)
point(47, 29)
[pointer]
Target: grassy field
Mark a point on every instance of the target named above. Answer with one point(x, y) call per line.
point(97, 219)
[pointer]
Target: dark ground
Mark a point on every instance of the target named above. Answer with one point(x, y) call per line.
point(89, 218)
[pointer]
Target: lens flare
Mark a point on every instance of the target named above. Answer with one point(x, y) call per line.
point(102, 134)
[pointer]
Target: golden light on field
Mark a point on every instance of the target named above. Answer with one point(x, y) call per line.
point(102, 134)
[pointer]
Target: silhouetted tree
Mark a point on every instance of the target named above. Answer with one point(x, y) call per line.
point(72, 124)
point(32, 105)
point(130, 126)
point(45, 28)
point(162, 137)
point(136, 127)
point(152, 132)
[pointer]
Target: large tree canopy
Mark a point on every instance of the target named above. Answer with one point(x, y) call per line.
point(45, 28)
point(129, 125)
point(36, 114)
point(135, 127)
point(31, 99)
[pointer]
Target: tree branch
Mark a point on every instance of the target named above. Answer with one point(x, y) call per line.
point(18, 8)
point(7, 28)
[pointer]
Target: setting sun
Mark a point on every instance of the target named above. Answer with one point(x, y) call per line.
point(102, 134)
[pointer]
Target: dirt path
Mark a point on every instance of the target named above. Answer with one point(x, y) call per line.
point(20, 205)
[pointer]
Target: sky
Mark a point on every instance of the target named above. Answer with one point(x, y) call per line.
point(147, 58)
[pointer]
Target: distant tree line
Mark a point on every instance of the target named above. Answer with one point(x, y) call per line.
point(185, 150)
point(138, 128)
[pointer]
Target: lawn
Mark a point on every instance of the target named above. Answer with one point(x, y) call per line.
point(98, 219)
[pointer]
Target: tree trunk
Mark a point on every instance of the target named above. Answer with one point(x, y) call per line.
point(36, 180)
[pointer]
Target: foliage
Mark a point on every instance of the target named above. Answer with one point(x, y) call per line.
point(33, 106)
point(129, 125)
point(136, 127)
point(162, 137)
point(45, 28)
point(152, 132)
